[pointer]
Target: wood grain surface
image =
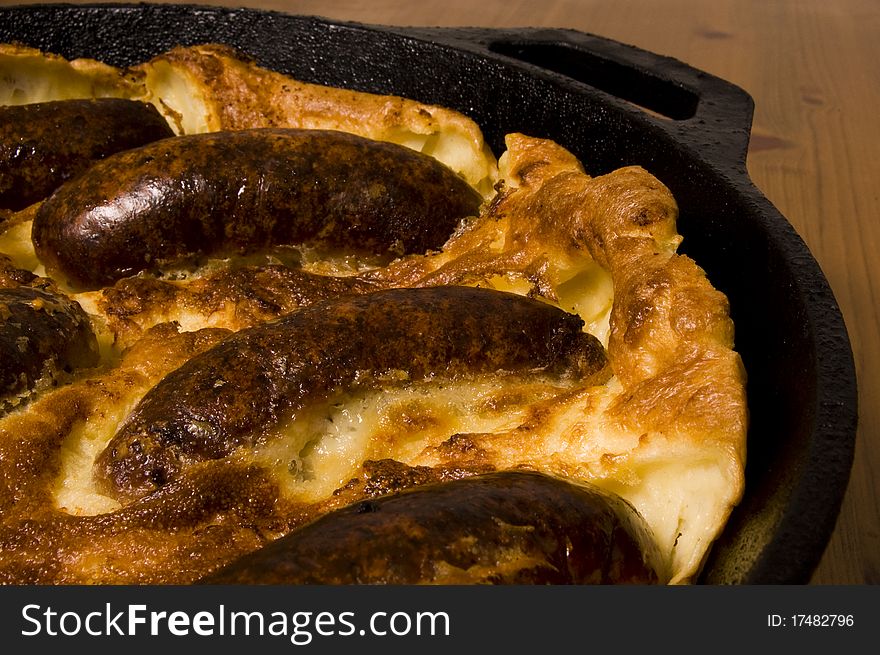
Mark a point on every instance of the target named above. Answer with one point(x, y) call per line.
point(813, 69)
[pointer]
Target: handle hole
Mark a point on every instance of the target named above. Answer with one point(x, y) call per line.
point(649, 93)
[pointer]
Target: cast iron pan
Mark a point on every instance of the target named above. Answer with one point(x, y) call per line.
point(587, 93)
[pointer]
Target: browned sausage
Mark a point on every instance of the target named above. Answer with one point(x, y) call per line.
point(42, 334)
point(227, 396)
point(42, 145)
point(242, 191)
point(497, 528)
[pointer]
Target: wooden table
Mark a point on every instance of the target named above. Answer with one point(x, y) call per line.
point(812, 68)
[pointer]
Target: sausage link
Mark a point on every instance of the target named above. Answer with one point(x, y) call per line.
point(42, 334)
point(498, 528)
point(229, 395)
point(242, 191)
point(42, 145)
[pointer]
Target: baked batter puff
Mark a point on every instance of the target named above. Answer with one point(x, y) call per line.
point(662, 426)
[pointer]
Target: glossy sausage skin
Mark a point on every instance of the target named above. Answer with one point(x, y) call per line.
point(41, 334)
point(42, 145)
point(227, 396)
point(242, 191)
point(498, 528)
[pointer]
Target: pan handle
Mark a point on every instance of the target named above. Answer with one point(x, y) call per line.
point(678, 98)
